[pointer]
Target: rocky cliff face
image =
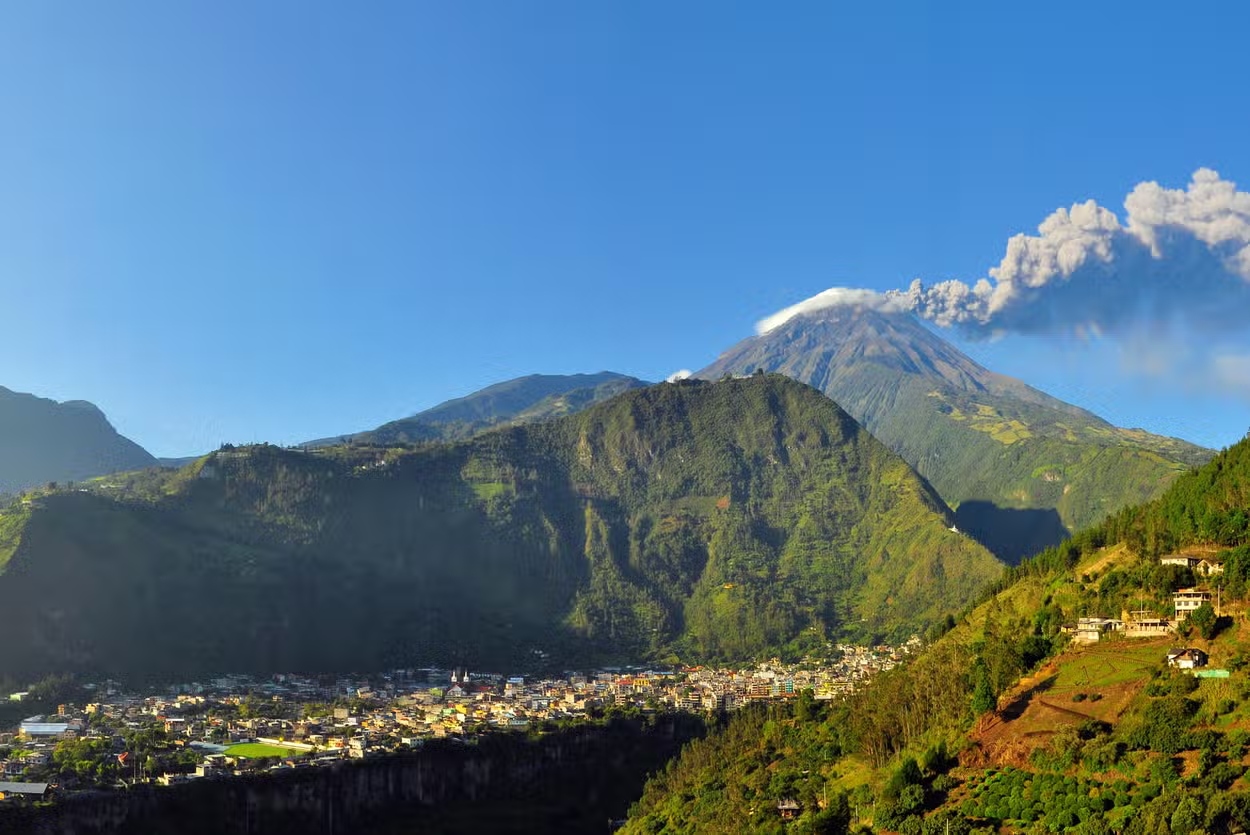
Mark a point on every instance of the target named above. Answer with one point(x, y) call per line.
point(569, 781)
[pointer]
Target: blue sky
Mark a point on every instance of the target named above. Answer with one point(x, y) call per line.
point(279, 221)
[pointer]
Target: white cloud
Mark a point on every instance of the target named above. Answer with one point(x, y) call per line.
point(833, 297)
point(678, 375)
point(1181, 257)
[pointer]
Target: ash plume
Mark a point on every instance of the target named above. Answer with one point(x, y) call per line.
point(1180, 258)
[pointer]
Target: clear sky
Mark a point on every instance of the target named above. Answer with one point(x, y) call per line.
point(238, 221)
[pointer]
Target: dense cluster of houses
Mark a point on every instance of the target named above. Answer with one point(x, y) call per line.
point(319, 721)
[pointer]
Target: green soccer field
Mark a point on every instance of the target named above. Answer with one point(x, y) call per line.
point(258, 749)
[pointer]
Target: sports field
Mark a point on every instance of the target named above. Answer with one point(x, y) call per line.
point(258, 749)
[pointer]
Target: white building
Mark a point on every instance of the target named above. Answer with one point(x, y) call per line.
point(1186, 600)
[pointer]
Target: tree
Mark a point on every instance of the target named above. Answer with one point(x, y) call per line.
point(983, 691)
point(935, 759)
point(908, 774)
point(1204, 620)
point(806, 708)
point(835, 818)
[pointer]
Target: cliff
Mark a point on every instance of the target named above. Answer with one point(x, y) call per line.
point(570, 781)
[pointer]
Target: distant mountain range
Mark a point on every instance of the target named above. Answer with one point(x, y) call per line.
point(1021, 468)
point(685, 520)
point(42, 440)
point(521, 400)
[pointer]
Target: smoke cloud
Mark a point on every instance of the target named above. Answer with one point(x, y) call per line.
point(1181, 258)
point(833, 297)
point(683, 374)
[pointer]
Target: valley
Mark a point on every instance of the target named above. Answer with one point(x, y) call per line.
point(725, 534)
point(104, 736)
point(639, 418)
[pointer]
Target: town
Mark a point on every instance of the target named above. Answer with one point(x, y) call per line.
point(238, 724)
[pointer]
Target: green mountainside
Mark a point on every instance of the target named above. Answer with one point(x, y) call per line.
point(1002, 723)
point(691, 520)
point(526, 399)
point(42, 441)
point(1021, 468)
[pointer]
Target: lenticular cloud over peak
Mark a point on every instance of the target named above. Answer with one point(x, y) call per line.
point(1181, 256)
point(833, 297)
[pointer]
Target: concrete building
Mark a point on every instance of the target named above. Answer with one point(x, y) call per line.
point(1186, 600)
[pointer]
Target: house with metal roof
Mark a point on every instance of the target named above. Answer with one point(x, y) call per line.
point(1187, 658)
point(39, 726)
point(28, 791)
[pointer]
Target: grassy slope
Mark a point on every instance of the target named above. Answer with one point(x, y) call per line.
point(1014, 455)
point(12, 524)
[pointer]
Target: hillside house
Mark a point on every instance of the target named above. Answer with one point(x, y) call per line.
point(1208, 568)
point(1147, 627)
point(1201, 566)
point(1187, 658)
point(1091, 630)
point(789, 809)
point(25, 791)
point(1186, 600)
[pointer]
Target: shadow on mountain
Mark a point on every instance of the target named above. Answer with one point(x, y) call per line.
point(1009, 533)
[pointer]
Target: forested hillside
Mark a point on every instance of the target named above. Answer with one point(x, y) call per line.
point(1002, 723)
point(1210, 505)
point(682, 521)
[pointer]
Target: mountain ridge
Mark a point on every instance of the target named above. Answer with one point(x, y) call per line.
point(1022, 468)
point(525, 399)
point(44, 441)
point(699, 520)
